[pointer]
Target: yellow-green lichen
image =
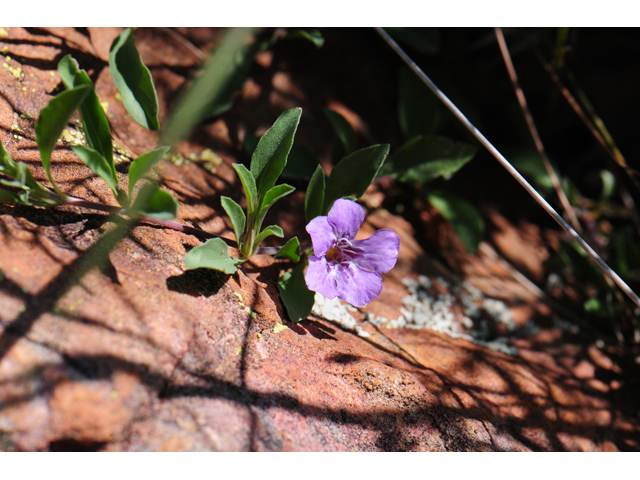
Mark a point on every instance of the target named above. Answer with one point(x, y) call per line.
point(121, 154)
point(15, 71)
point(209, 156)
point(72, 137)
point(279, 327)
point(4, 33)
point(238, 351)
point(207, 159)
point(15, 128)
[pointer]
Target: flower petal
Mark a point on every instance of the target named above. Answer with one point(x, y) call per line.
point(346, 216)
point(357, 286)
point(322, 235)
point(320, 276)
point(379, 251)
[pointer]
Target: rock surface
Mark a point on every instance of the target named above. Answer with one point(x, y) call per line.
point(142, 355)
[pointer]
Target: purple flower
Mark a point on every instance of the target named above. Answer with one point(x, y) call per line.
point(343, 267)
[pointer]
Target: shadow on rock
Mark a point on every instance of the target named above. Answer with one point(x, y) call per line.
point(200, 282)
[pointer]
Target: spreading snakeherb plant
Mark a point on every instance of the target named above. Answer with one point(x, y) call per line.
point(341, 266)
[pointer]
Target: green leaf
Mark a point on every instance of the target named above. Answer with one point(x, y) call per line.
point(236, 214)
point(94, 120)
point(23, 179)
point(52, 120)
point(8, 197)
point(239, 71)
point(295, 295)
point(134, 81)
point(267, 232)
point(270, 156)
point(273, 195)
point(627, 252)
point(313, 36)
point(608, 185)
point(314, 197)
point(529, 164)
point(143, 164)
point(354, 174)
point(98, 165)
point(154, 202)
point(301, 163)
point(211, 254)
point(211, 87)
point(345, 134)
point(290, 250)
point(425, 158)
point(464, 217)
point(424, 40)
point(419, 110)
point(574, 257)
point(249, 185)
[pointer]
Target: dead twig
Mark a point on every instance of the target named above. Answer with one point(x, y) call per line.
point(555, 181)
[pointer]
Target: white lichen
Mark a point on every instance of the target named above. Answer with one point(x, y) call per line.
point(424, 307)
point(336, 311)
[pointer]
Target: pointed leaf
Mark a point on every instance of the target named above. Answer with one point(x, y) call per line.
point(273, 195)
point(424, 158)
point(301, 162)
point(270, 156)
point(134, 81)
point(94, 120)
point(236, 214)
point(290, 250)
point(354, 174)
point(211, 254)
point(8, 197)
point(22, 178)
point(210, 88)
point(249, 185)
point(52, 120)
point(98, 165)
point(313, 36)
point(154, 202)
point(141, 166)
point(464, 217)
point(419, 110)
point(267, 232)
point(242, 61)
point(344, 132)
point(314, 197)
point(295, 295)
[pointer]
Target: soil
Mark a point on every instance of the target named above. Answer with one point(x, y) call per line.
point(143, 355)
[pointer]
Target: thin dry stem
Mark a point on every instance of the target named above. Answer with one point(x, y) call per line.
point(599, 132)
point(555, 181)
point(510, 168)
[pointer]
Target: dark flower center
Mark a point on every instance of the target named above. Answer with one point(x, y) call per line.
point(334, 254)
point(341, 252)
